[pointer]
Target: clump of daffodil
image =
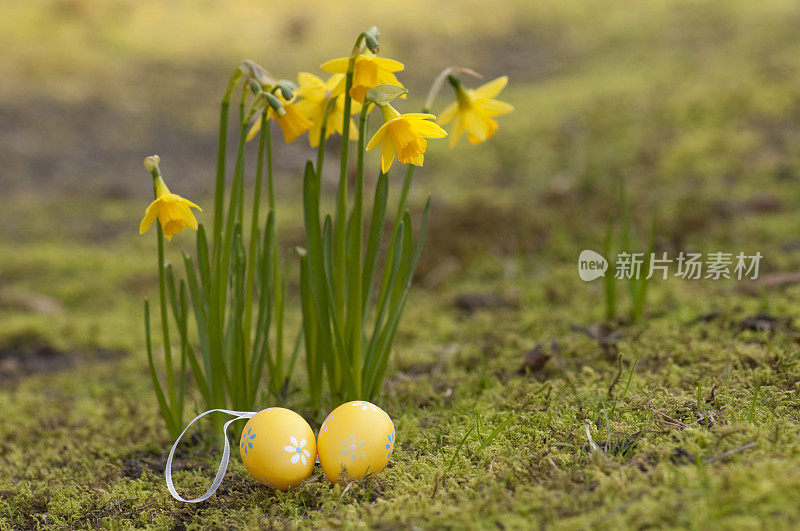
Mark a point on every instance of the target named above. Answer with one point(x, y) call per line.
point(404, 135)
point(369, 71)
point(314, 96)
point(474, 110)
point(173, 211)
point(292, 122)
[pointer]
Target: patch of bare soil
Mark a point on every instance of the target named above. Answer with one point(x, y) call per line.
point(26, 354)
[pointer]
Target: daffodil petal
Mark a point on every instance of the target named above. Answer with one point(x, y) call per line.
point(419, 116)
point(387, 155)
point(293, 124)
point(429, 129)
point(189, 203)
point(476, 124)
point(336, 84)
point(495, 107)
point(377, 137)
point(492, 88)
point(455, 134)
point(353, 130)
point(448, 113)
point(492, 128)
point(188, 217)
point(389, 64)
point(307, 79)
point(335, 65)
point(150, 216)
point(313, 135)
point(253, 130)
point(334, 81)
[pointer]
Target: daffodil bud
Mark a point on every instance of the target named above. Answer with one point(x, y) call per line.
point(257, 72)
point(151, 163)
point(286, 92)
point(255, 87)
point(287, 88)
point(275, 103)
point(383, 94)
point(371, 39)
point(301, 252)
point(372, 44)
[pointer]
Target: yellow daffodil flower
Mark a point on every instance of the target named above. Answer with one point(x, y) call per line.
point(404, 135)
point(293, 123)
point(369, 71)
point(312, 100)
point(473, 111)
point(173, 212)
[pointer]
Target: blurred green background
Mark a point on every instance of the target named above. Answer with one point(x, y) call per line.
point(695, 104)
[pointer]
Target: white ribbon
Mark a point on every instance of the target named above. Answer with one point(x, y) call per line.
point(223, 464)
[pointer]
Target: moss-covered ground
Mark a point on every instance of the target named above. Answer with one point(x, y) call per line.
point(517, 404)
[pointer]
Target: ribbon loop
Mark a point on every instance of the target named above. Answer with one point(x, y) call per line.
point(223, 464)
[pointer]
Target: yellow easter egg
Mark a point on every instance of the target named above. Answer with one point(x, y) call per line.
point(356, 439)
point(278, 448)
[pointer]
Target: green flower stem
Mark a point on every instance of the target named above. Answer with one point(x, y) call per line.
point(233, 207)
point(354, 267)
point(323, 134)
point(277, 282)
point(219, 189)
point(251, 259)
point(339, 224)
point(218, 280)
point(164, 322)
point(158, 182)
point(270, 169)
point(240, 173)
point(219, 193)
point(314, 308)
point(217, 294)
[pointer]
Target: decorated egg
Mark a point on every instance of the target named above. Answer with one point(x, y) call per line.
point(278, 448)
point(356, 439)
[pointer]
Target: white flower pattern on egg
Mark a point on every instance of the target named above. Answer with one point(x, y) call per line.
point(300, 454)
point(350, 447)
point(364, 405)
